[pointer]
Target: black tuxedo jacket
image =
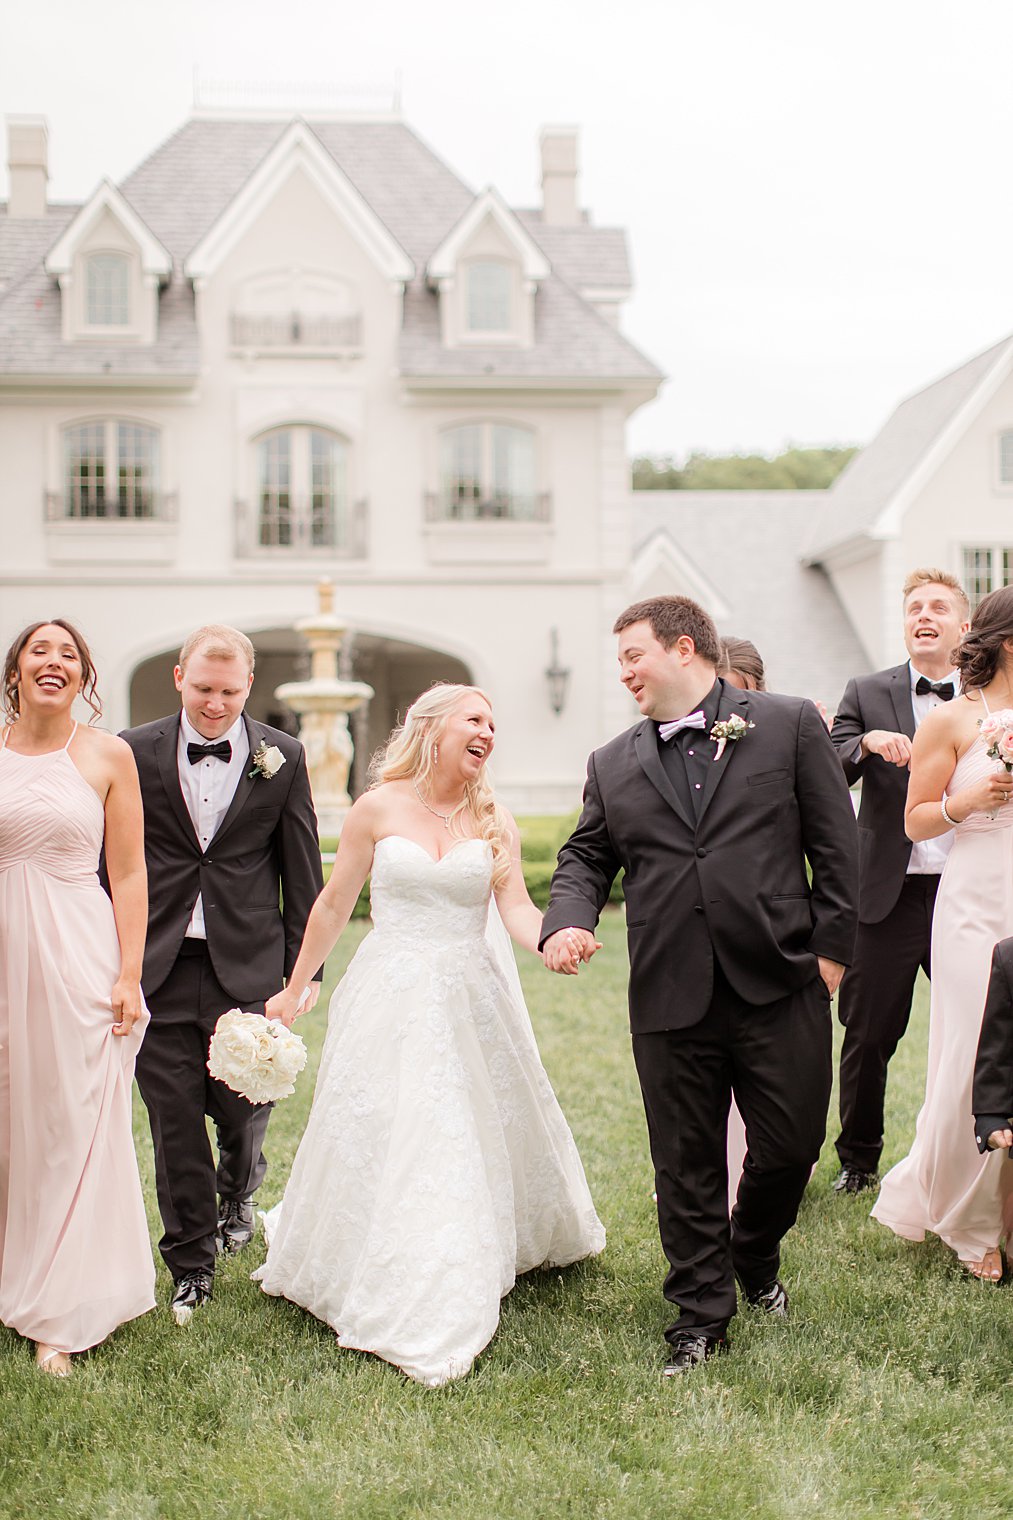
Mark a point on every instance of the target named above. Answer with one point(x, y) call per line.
point(992, 1092)
point(266, 849)
point(882, 700)
point(730, 885)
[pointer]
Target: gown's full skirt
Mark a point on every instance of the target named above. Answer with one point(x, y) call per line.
point(436, 1164)
point(75, 1256)
point(944, 1185)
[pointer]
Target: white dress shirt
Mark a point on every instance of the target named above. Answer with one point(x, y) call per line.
point(928, 856)
point(208, 789)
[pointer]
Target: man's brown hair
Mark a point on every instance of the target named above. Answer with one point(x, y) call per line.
point(930, 577)
point(673, 618)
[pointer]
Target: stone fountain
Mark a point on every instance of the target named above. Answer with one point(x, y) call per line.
point(322, 704)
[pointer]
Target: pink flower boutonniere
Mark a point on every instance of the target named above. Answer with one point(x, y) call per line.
point(729, 731)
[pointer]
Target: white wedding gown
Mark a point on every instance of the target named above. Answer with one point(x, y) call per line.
point(436, 1164)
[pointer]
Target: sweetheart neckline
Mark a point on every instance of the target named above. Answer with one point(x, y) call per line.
point(435, 860)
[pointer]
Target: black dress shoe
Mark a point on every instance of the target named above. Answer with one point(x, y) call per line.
point(235, 1225)
point(772, 1299)
point(191, 1291)
point(688, 1351)
point(851, 1180)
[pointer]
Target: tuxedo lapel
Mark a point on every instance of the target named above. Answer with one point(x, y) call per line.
point(900, 696)
point(645, 743)
point(733, 703)
point(247, 781)
point(167, 759)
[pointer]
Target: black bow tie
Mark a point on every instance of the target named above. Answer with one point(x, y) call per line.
point(941, 689)
point(220, 751)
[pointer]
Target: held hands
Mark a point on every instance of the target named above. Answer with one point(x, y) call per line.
point(1000, 1138)
point(895, 749)
point(565, 950)
point(126, 1005)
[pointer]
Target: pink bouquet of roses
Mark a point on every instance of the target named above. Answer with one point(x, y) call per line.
point(997, 732)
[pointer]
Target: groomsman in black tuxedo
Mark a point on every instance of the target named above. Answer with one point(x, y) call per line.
point(872, 734)
point(230, 839)
point(711, 806)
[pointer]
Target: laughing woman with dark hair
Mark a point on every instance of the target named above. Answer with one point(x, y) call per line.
point(75, 1258)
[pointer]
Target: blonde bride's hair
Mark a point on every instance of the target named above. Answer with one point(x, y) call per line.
point(410, 755)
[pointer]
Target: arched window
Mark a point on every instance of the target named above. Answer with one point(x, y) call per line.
point(302, 490)
point(489, 285)
point(487, 470)
point(107, 290)
point(111, 469)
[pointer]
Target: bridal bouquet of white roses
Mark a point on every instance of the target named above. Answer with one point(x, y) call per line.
point(257, 1057)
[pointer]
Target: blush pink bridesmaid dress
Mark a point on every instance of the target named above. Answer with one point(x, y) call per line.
point(943, 1184)
point(75, 1256)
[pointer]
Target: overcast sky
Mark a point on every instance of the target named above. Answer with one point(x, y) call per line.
point(818, 198)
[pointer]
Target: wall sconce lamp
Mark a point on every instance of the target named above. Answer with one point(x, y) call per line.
point(556, 675)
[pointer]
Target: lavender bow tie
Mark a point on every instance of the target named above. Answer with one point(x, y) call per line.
point(692, 720)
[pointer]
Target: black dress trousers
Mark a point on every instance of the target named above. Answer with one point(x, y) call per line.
point(776, 1059)
point(178, 1091)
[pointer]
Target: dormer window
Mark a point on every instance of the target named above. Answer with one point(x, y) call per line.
point(488, 303)
point(107, 290)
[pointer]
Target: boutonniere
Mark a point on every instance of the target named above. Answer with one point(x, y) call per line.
point(729, 731)
point(267, 760)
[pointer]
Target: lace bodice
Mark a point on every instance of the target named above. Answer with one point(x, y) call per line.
point(423, 900)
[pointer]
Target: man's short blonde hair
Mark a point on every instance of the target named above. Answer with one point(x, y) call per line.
point(218, 642)
point(930, 577)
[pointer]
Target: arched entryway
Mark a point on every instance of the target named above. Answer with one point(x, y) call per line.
point(396, 670)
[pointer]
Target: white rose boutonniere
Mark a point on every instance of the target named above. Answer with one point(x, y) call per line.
point(730, 731)
point(267, 760)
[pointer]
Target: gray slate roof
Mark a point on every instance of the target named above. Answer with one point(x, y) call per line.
point(746, 545)
point(185, 185)
point(866, 487)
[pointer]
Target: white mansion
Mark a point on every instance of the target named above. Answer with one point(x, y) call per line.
point(288, 349)
point(284, 349)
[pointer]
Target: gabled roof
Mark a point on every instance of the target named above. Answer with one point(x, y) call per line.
point(573, 342)
point(298, 149)
point(183, 193)
point(586, 257)
point(155, 257)
point(746, 543)
point(489, 205)
point(869, 496)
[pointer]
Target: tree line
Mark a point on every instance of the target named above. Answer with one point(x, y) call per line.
point(794, 469)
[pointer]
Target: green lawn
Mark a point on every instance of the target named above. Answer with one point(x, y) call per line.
point(886, 1394)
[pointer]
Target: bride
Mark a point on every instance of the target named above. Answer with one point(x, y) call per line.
point(436, 1164)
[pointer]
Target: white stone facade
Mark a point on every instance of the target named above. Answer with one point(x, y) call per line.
point(259, 395)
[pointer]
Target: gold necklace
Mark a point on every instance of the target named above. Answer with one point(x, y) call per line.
point(444, 817)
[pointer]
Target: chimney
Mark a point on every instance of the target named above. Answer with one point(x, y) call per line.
point(559, 176)
point(28, 163)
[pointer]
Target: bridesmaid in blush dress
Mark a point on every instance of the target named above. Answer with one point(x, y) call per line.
point(75, 1258)
point(943, 1184)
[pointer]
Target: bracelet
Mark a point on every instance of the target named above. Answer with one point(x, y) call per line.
point(942, 809)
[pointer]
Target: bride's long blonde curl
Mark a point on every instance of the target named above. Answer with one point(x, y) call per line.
point(410, 755)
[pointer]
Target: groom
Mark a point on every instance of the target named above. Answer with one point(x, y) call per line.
point(233, 858)
point(712, 805)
